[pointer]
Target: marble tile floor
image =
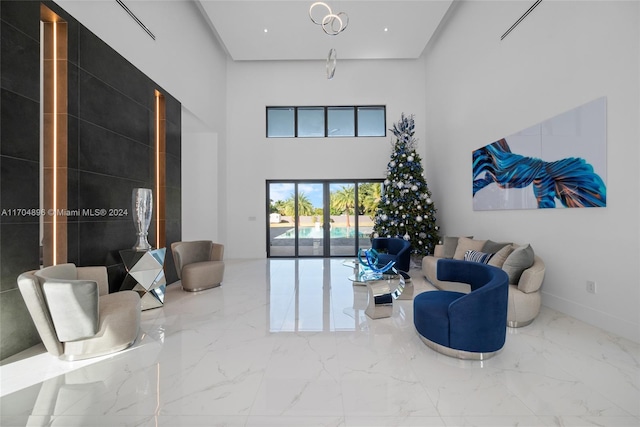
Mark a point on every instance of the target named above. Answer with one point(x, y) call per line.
point(286, 343)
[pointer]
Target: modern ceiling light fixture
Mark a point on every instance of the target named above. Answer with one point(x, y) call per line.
point(332, 23)
point(332, 59)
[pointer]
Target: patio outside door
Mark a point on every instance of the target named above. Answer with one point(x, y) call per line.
point(320, 218)
point(309, 219)
point(343, 221)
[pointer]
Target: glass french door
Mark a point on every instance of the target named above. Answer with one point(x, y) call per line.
point(320, 218)
point(309, 219)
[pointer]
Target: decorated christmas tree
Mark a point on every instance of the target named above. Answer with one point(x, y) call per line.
point(406, 209)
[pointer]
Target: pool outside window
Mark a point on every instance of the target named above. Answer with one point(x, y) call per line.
point(320, 218)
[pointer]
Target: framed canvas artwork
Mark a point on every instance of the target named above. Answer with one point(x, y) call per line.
point(559, 163)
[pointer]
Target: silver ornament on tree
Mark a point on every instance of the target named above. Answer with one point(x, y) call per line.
point(142, 206)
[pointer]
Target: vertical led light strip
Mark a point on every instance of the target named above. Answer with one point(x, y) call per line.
point(55, 144)
point(158, 169)
point(160, 175)
point(54, 134)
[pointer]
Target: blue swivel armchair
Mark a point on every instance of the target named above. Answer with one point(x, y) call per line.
point(466, 326)
point(393, 249)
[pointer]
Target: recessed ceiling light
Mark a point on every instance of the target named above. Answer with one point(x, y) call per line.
point(386, 30)
point(266, 30)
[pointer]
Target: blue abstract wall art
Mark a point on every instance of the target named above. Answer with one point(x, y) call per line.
point(559, 163)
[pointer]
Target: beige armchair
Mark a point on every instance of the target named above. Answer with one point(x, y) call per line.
point(199, 264)
point(75, 315)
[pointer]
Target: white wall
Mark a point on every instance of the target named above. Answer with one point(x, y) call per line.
point(188, 62)
point(200, 159)
point(480, 89)
point(252, 159)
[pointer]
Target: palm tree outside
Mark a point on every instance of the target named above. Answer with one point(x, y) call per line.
point(305, 207)
point(343, 201)
point(369, 194)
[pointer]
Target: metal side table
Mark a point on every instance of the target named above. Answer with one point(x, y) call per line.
point(382, 291)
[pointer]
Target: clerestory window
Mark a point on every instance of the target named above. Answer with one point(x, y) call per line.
point(326, 122)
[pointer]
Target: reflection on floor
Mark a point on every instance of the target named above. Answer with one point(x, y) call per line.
point(287, 343)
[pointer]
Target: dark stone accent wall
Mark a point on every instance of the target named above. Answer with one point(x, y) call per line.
point(173, 190)
point(110, 152)
point(19, 166)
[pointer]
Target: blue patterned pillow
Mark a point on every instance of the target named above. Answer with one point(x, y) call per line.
point(477, 256)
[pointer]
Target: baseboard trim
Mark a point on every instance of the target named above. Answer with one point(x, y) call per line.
point(599, 319)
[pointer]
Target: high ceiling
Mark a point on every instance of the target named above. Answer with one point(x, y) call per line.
point(283, 30)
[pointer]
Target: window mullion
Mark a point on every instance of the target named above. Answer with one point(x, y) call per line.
point(355, 121)
point(326, 122)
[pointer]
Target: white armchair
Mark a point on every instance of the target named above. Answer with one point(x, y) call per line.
point(75, 315)
point(199, 264)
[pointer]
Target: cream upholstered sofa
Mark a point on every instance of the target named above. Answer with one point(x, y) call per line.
point(74, 313)
point(525, 269)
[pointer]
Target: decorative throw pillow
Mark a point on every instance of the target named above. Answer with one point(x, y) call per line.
point(466, 244)
point(449, 245)
point(492, 247)
point(518, 261)
point(476, 256)
point(498, 259)
point(73, 305)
